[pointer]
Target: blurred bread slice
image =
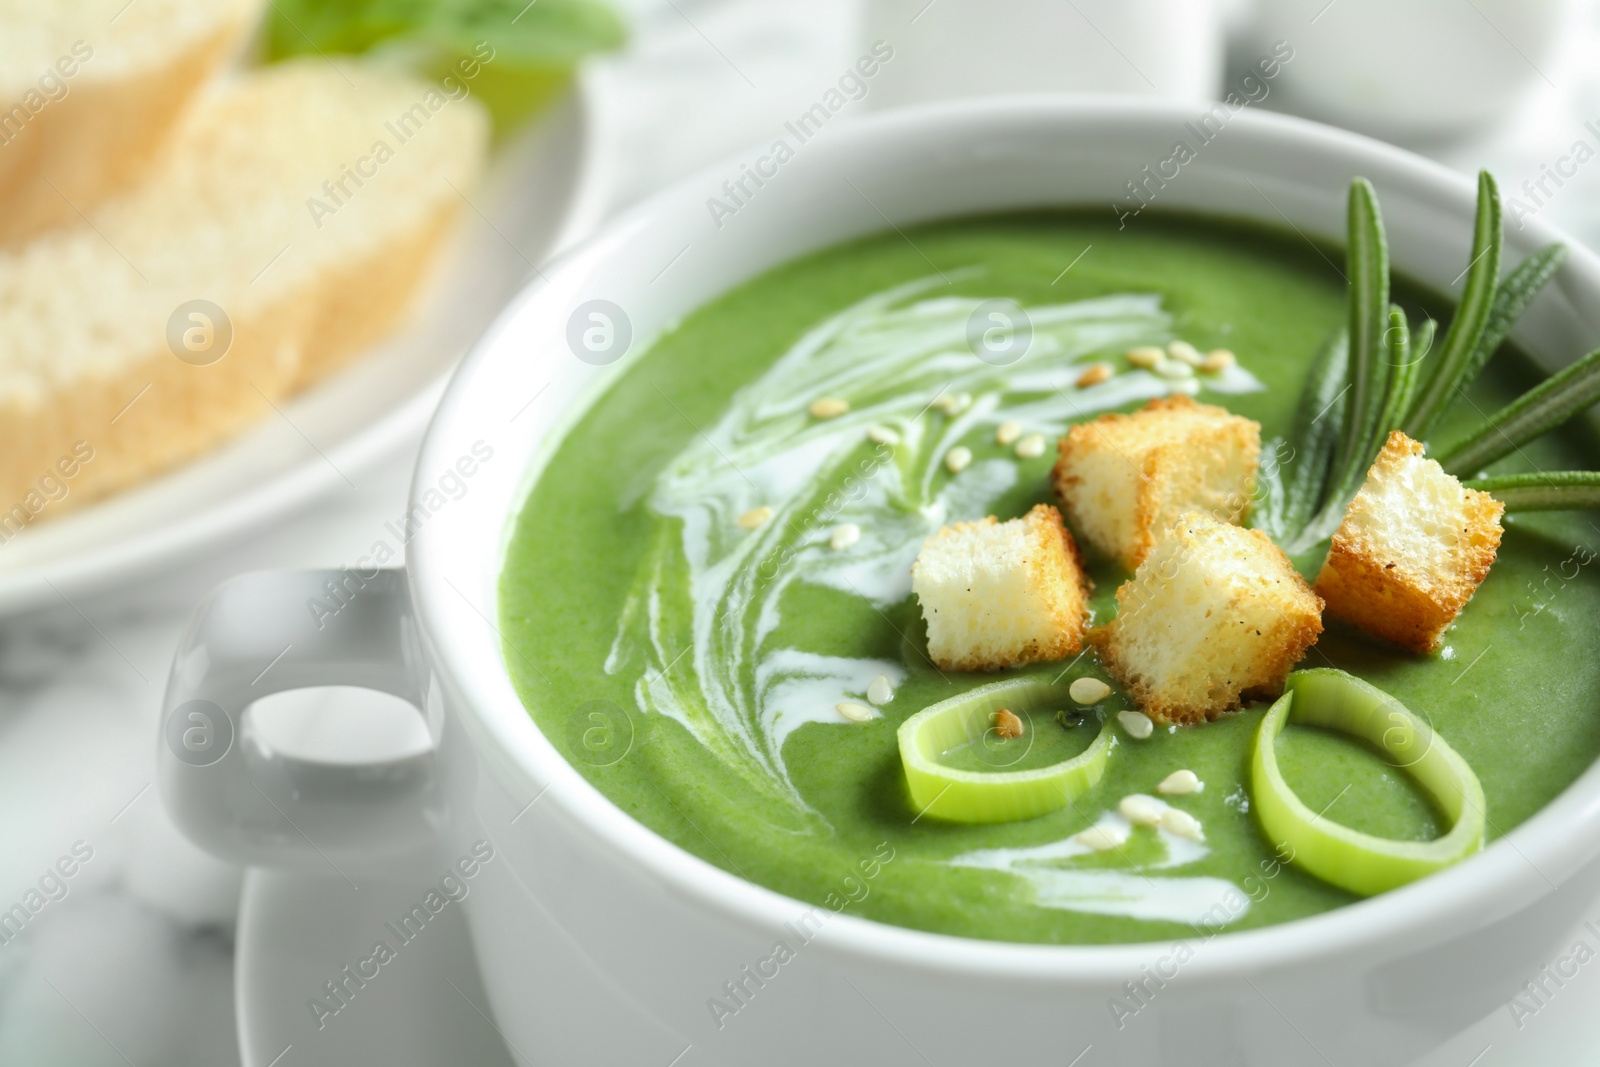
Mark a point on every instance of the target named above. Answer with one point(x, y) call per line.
point(304, 201)
point(90, 90)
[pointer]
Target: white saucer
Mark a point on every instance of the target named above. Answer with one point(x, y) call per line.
point(424, 1007)
point(545, 190)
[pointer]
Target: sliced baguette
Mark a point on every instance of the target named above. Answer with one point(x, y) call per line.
point(230, 215)
point(90, 90)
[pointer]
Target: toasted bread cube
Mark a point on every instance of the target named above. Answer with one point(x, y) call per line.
point(1413, 547)
point(1001, 594)
point(1123, 479)
point(1214, 613)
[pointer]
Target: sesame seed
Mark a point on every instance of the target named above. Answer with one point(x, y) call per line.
point(1182, 824)
point(1173, 369)
point(1094, 374)
point(1180, 782)
point(828, 407)
point(1146, 356)
point(1101, 838)
point(855, 711)
point(881, 691)
point(1088, 690)
point(1142, 810)
point(1007, 433)
point(1031, 446)
point(1217, 361)
point(755, 517)
point(1006, 723)
point(1187, 386)
point(953, 403)
point(1184, 352)
point(957, 459)
point(1137, 723)
point(844, 535)
point(883, 435)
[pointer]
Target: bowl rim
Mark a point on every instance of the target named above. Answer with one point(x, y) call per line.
point(1503, 879)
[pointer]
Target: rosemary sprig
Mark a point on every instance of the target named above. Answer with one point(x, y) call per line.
point(1378, 376)
point(1553, 491)
point(1511, 299)
point(1317, 425)
point(1391, 383)
point(1367, 267)
point(1369, 344)
point(1421, 345)
point(1454, 363)
point(1539, 410)
point(1406, 363)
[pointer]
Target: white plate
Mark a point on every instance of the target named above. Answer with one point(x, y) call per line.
point(544, 190)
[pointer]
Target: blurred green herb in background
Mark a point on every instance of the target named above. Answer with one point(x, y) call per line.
point(535, 45)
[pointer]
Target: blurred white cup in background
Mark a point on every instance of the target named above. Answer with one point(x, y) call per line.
point(1413, 69)
point(956, 48)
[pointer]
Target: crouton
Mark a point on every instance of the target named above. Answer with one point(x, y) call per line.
point(1001, 594)
point(1413, 547)
point(1213, 614)
point(1123, 479)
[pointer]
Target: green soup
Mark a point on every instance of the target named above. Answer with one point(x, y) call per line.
point(690, 667)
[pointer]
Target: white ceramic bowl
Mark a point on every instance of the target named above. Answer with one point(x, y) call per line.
point(603, 943)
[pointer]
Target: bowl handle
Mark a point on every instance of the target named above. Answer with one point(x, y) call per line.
point(264, 633)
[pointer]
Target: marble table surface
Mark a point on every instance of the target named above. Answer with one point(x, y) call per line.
point(130, 960)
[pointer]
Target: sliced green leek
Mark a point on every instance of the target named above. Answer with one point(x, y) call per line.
point(1000, 796)
point(1358, 862)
